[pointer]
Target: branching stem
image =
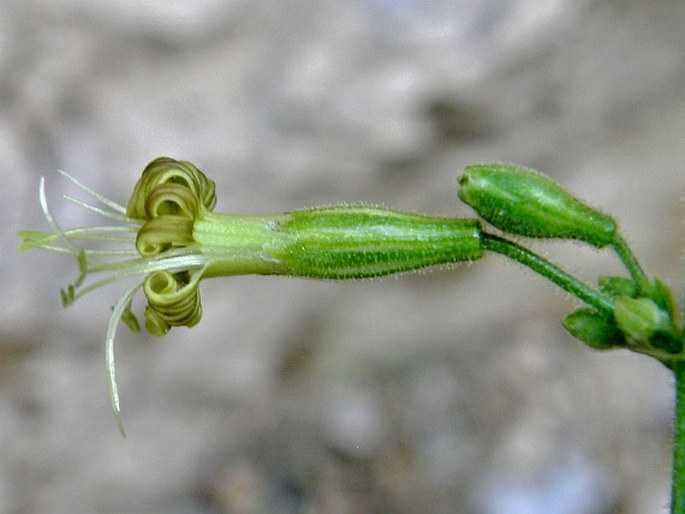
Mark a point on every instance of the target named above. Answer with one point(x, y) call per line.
point(550, 271)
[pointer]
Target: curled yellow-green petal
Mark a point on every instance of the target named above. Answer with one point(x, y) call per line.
point(173, 300)
point(165, 170)
point(161, 234)
point(172, 199)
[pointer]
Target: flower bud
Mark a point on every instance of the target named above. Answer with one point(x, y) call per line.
point(594, 330)
point(524, 202)
point(645, 324)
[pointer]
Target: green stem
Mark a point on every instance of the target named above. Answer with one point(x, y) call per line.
point(631, 263)
point(678, 484)
point(550, 271)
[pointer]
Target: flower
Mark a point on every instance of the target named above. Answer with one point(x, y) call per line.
point(150, 239)
point(170, 239)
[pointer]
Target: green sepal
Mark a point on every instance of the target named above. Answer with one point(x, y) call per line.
point(666, 338)
point(663, 297)
point(521, 201)
point(590, 327)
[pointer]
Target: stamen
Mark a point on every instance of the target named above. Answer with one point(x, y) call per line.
point(173, 204)
point(36, 239)
point(122, 308)
point(102, 212)
point(50, 219)
point(172, 261)
point(105, 201)
point(82, 268)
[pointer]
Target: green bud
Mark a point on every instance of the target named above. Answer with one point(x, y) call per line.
point(524, 202)
point(361, 241)
point(638, 318)
point(594, 330)
point(646, 325)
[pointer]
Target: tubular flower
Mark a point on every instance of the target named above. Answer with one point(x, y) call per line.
point(170, 239)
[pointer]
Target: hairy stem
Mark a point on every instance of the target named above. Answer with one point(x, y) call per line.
point(550, 271)
point(678, 484)
point(630, 262)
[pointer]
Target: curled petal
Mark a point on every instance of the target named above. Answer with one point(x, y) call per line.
point(173, 300)
point(161, 234)
point(171, 200)
point(165, 170)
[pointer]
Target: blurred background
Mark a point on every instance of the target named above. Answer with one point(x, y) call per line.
point(449, 391)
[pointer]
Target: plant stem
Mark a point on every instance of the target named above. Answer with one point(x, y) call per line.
point(678, 483)
point(630, 262)
point(550, 271)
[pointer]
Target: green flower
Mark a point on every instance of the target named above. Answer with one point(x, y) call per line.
point(151, 240)
point(169, 238)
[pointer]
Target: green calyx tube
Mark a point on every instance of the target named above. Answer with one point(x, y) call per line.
point(341, 242)
point(361, 241)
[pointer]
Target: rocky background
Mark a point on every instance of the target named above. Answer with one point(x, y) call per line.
point(451, 391)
